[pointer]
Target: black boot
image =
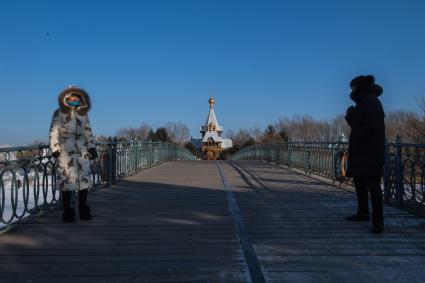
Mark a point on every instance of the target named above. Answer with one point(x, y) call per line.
point(360, 184)
point(84, 209)
point(377, 206)
point(378, 228)
point(358, 217)
point(68, 212)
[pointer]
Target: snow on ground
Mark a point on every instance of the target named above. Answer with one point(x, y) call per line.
point(5, 145)
point(12, 155)
point(45, 196)
point(32, 198)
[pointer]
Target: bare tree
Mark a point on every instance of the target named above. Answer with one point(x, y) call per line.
point(304, 127)
point(417, 122)
point(398, 123)
point(271, 135)
point(178, 132)
point(128, 133)
point(256, 133)
point(240, 137)
point(339, 127)
point(141, 133)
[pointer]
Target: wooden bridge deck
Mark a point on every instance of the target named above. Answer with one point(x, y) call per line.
point(195, 222)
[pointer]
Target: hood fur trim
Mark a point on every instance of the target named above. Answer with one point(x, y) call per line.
point(84, 98)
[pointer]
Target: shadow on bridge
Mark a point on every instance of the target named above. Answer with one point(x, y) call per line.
point(143, 230)
point(172, 223)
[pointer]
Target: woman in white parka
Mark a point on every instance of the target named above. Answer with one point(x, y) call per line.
point(71, 143)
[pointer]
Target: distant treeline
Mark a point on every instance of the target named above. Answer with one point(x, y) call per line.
point(175, 132)
point(409, 126)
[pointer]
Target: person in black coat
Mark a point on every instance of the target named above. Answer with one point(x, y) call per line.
point(366, 152)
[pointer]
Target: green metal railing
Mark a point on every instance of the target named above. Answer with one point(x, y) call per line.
point(404, 170)
point(28, 174)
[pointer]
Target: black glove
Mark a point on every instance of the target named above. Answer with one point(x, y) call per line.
point(56, 154)
point(93, 153)
point(349, 115)
point(350, 111)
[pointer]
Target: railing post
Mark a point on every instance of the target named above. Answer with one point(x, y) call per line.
point(262, 154)
point(167, 153)
point(110, 162)
point(173, 152)
point(399, 162)
point(276, 153)
point(136, 161)
point(387, 191)
point(150, 153)
point(114, 161)
point(335, 148)
point(268, 153)
point(289, 154)
point(333, 160)
point(309, 157)
point(306, 157)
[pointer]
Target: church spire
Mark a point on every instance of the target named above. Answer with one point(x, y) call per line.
point(212, 124)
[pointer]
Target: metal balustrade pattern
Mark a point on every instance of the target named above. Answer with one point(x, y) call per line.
point(28, 174)
point(404, 170)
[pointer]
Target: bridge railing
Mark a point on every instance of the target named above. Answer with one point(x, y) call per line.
point(404, 170)
point(28, 174)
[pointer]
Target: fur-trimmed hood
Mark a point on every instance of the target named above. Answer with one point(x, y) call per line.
point(84, 98)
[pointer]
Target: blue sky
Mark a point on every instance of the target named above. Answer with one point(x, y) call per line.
point(158, 61)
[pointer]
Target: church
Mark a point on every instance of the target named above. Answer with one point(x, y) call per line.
point(211, 143)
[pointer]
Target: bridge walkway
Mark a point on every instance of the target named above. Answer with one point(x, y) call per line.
point(193, 221)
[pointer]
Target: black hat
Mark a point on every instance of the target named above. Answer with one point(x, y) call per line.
point(362, 82)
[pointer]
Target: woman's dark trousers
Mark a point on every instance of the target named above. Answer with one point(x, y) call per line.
point(372, 185)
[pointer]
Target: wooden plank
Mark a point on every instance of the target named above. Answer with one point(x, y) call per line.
point(167, 224)
point(172, 223)
point(299, 232)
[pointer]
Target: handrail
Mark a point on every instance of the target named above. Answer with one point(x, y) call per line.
point(404, 169)
point(28, 173)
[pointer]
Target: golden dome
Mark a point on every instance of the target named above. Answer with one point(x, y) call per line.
point(211, 101)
